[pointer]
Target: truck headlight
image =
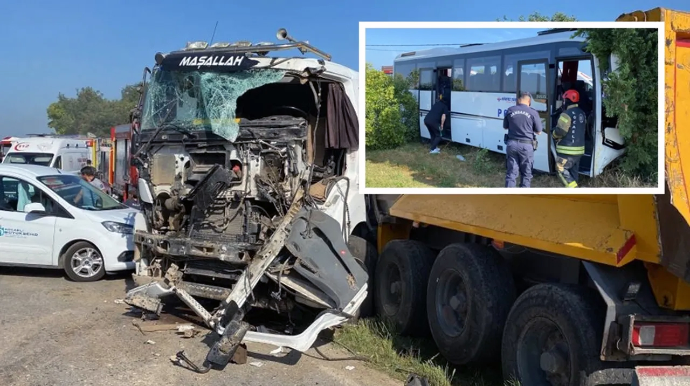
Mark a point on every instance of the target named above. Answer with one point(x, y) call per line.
point(118, 227)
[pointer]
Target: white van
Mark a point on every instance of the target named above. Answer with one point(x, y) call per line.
point(69, 155)
point(53, 219)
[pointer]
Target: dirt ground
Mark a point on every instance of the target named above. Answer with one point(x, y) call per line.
point(57, 332)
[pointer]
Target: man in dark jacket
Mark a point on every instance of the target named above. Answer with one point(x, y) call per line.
point(434, 122)
point(522, 123)
point(569, 137)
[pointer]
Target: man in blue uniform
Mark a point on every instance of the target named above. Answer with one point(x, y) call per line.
point(569, 137)
point(523, 124)
point(434, 122)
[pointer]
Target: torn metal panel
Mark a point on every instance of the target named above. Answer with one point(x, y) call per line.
point(324, 259)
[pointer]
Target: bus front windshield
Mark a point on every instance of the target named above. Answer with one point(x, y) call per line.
point(80, 193)
point(42, 159)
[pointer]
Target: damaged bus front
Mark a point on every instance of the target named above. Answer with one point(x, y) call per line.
point(248, 182)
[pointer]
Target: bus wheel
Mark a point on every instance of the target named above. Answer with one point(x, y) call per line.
point(366, 255)
point(552, 336)
point(401, 278)
point(469, 297)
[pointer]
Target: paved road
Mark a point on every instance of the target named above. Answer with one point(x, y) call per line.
point(57, 332)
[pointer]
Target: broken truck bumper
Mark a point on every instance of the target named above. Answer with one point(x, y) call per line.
point(322, 259)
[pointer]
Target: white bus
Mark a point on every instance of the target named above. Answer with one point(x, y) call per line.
point(482, 80)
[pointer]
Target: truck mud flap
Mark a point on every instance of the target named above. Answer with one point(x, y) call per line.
point(316, 239)
point(661, 376)
point(675, 237)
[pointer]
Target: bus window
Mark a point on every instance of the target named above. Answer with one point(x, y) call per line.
point(533, 80)
point(509, 64)
point(426, 81)
point(404, 70)
point(459, 75)
point(484, 75)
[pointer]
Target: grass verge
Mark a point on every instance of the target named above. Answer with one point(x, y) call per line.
point(411, 166)
point(400, 356)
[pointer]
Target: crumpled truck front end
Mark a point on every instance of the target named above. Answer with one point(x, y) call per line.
point(245, 197)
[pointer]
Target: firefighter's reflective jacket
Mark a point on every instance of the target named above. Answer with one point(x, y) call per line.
point(569, 133)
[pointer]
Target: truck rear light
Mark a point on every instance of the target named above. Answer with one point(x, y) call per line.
point(661, 334)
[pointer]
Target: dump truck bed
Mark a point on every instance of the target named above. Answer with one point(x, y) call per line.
point(603, 229)
point(608, 229)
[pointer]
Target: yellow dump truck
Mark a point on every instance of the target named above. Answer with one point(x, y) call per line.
point(564, 289)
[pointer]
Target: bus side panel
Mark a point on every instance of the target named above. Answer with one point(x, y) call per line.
point(477, 120)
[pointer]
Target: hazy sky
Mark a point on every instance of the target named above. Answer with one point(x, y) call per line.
point(59, 46)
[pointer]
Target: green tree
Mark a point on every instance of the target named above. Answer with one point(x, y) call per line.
point(90, 111)
point(631, 91)
point(536, 16)
point(384, 127)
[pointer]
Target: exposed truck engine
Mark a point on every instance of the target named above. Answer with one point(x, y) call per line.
point(247, 170)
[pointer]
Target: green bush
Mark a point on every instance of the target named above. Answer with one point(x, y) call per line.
point(391, 111)
point(409, 109)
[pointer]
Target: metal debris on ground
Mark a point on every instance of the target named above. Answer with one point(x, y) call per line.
point(119, 301)
point(277, 351)
point(152, 327)
point(189, 333)
point(461, 158)
point(184, 327)
point(256, 364)
point(349, 368)
point(149, 342)
point(240, 356)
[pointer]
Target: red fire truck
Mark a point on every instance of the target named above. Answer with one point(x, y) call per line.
point(122, 176)
point(5, 145)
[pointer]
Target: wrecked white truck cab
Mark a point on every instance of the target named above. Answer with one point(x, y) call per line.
point(248, 182)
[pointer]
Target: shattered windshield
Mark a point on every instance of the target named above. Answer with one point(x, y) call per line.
point(200, 100)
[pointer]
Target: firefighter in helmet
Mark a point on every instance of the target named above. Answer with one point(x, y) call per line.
point(569, 137)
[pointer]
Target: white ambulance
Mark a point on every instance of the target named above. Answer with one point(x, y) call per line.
point(69, 155)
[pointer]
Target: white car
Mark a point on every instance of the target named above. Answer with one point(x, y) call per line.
point(55, 219)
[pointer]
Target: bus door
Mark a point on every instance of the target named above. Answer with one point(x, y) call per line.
point(443, 88)
point(533, 77)
point(427, 87)
point(575, 74)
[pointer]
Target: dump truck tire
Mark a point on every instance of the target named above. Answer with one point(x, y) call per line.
point(402, 272)
point(553, 330)
point(469, 296)
point(367, 255)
